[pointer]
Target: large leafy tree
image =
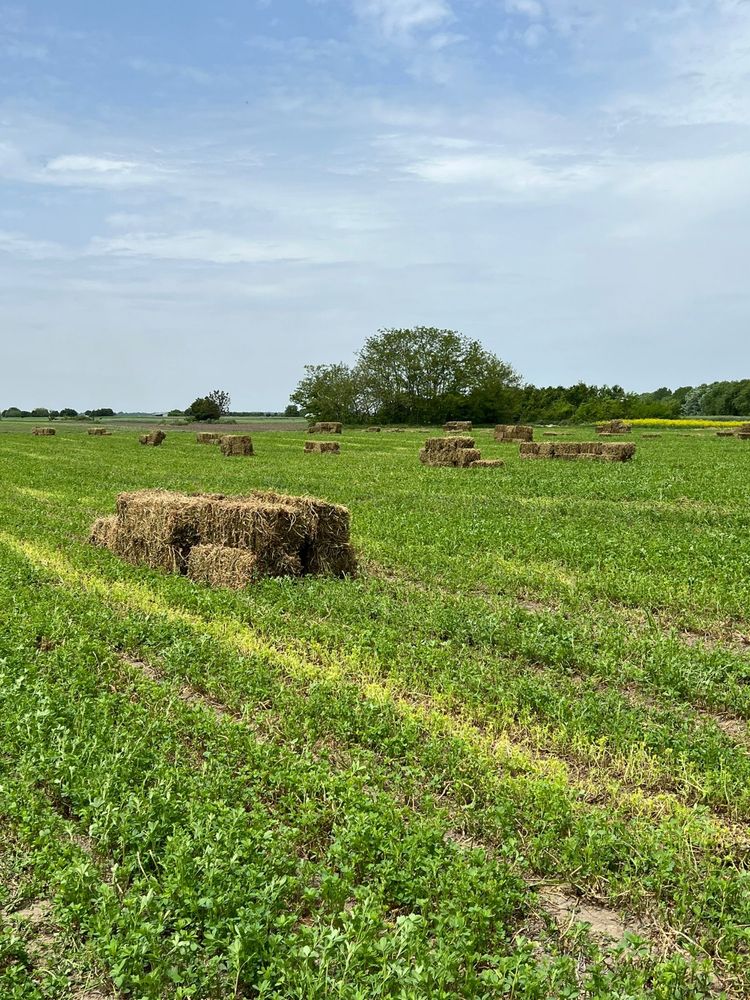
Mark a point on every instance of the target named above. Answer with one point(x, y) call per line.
point(328, 392)
point(425, 375)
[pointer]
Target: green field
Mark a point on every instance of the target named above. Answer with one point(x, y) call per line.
point(510, 759)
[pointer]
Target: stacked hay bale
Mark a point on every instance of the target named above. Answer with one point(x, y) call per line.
point(322, 447)
point(236, 444)
point(743, 432)
point(457, 452)
point(228, 541)
point(725, 434)
point(98, 432)
point(154, 439)
point(513, 433)
point(325, 427)
point(613, 427)
point(572, 450)
point(457, 426)
point(208, 437)
point(44, 431)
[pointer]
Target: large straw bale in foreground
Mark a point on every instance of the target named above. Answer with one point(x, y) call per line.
point(236, 444)
point(325, 427)
point(211, 537)
point(44, 431)
point(622, 451)
point(322, 447)
point(451, 426)
point(154, 439)
point(513, 433)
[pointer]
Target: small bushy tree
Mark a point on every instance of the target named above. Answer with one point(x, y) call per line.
point(203, 408)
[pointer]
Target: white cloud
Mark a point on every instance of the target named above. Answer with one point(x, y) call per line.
point(22, 246)
point(512, 177)
point(97, 171)
point(206, 246)
point(530, 8)
point(398, 19)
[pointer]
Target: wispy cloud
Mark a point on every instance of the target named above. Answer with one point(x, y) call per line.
point(398, 20)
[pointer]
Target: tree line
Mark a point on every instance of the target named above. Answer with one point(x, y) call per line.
point(425, 375)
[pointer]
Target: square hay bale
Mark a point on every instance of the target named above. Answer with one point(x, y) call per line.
point(326, 427)
point(651, 435)
point(513, 433)
point(569, 450)
point(236, 444)
point(528, 449)
point(448, 443)
point(614, 427)
point(98, 432)
point(154, 439)
point(591, 449)
point(743, 435)
point(322, 448)
point(488, 463)
point(373, 430)
point(452, 426)
point(208, 437)
point(455, 452)
point(103, 531)
point(285, 535)
point(724, 434)
point(221, 566)
point(44, 431)
point(623, 451)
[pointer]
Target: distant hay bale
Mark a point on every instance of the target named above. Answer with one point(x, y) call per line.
point(455, 452)
point(208, 437)
point(98, 432)
point(743, 436)
point(229, 541)
point(373, 430)
point(44, 431)
point(236, 444)
point(552, 434)
point(513, 433)
point(395, 430)
point(325, 427)
point(452, 426)
point(725, 434)
point(613, 427)
point(487, 463)
point(322, 447)
point(651, 435)
point(622, 451)
point(154, 439)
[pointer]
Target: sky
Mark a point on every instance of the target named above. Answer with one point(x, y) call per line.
point(204, 195)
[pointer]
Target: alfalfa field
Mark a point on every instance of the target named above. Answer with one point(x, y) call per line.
point(510, 758)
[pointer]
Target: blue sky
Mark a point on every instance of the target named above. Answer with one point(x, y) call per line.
point(196, 195)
